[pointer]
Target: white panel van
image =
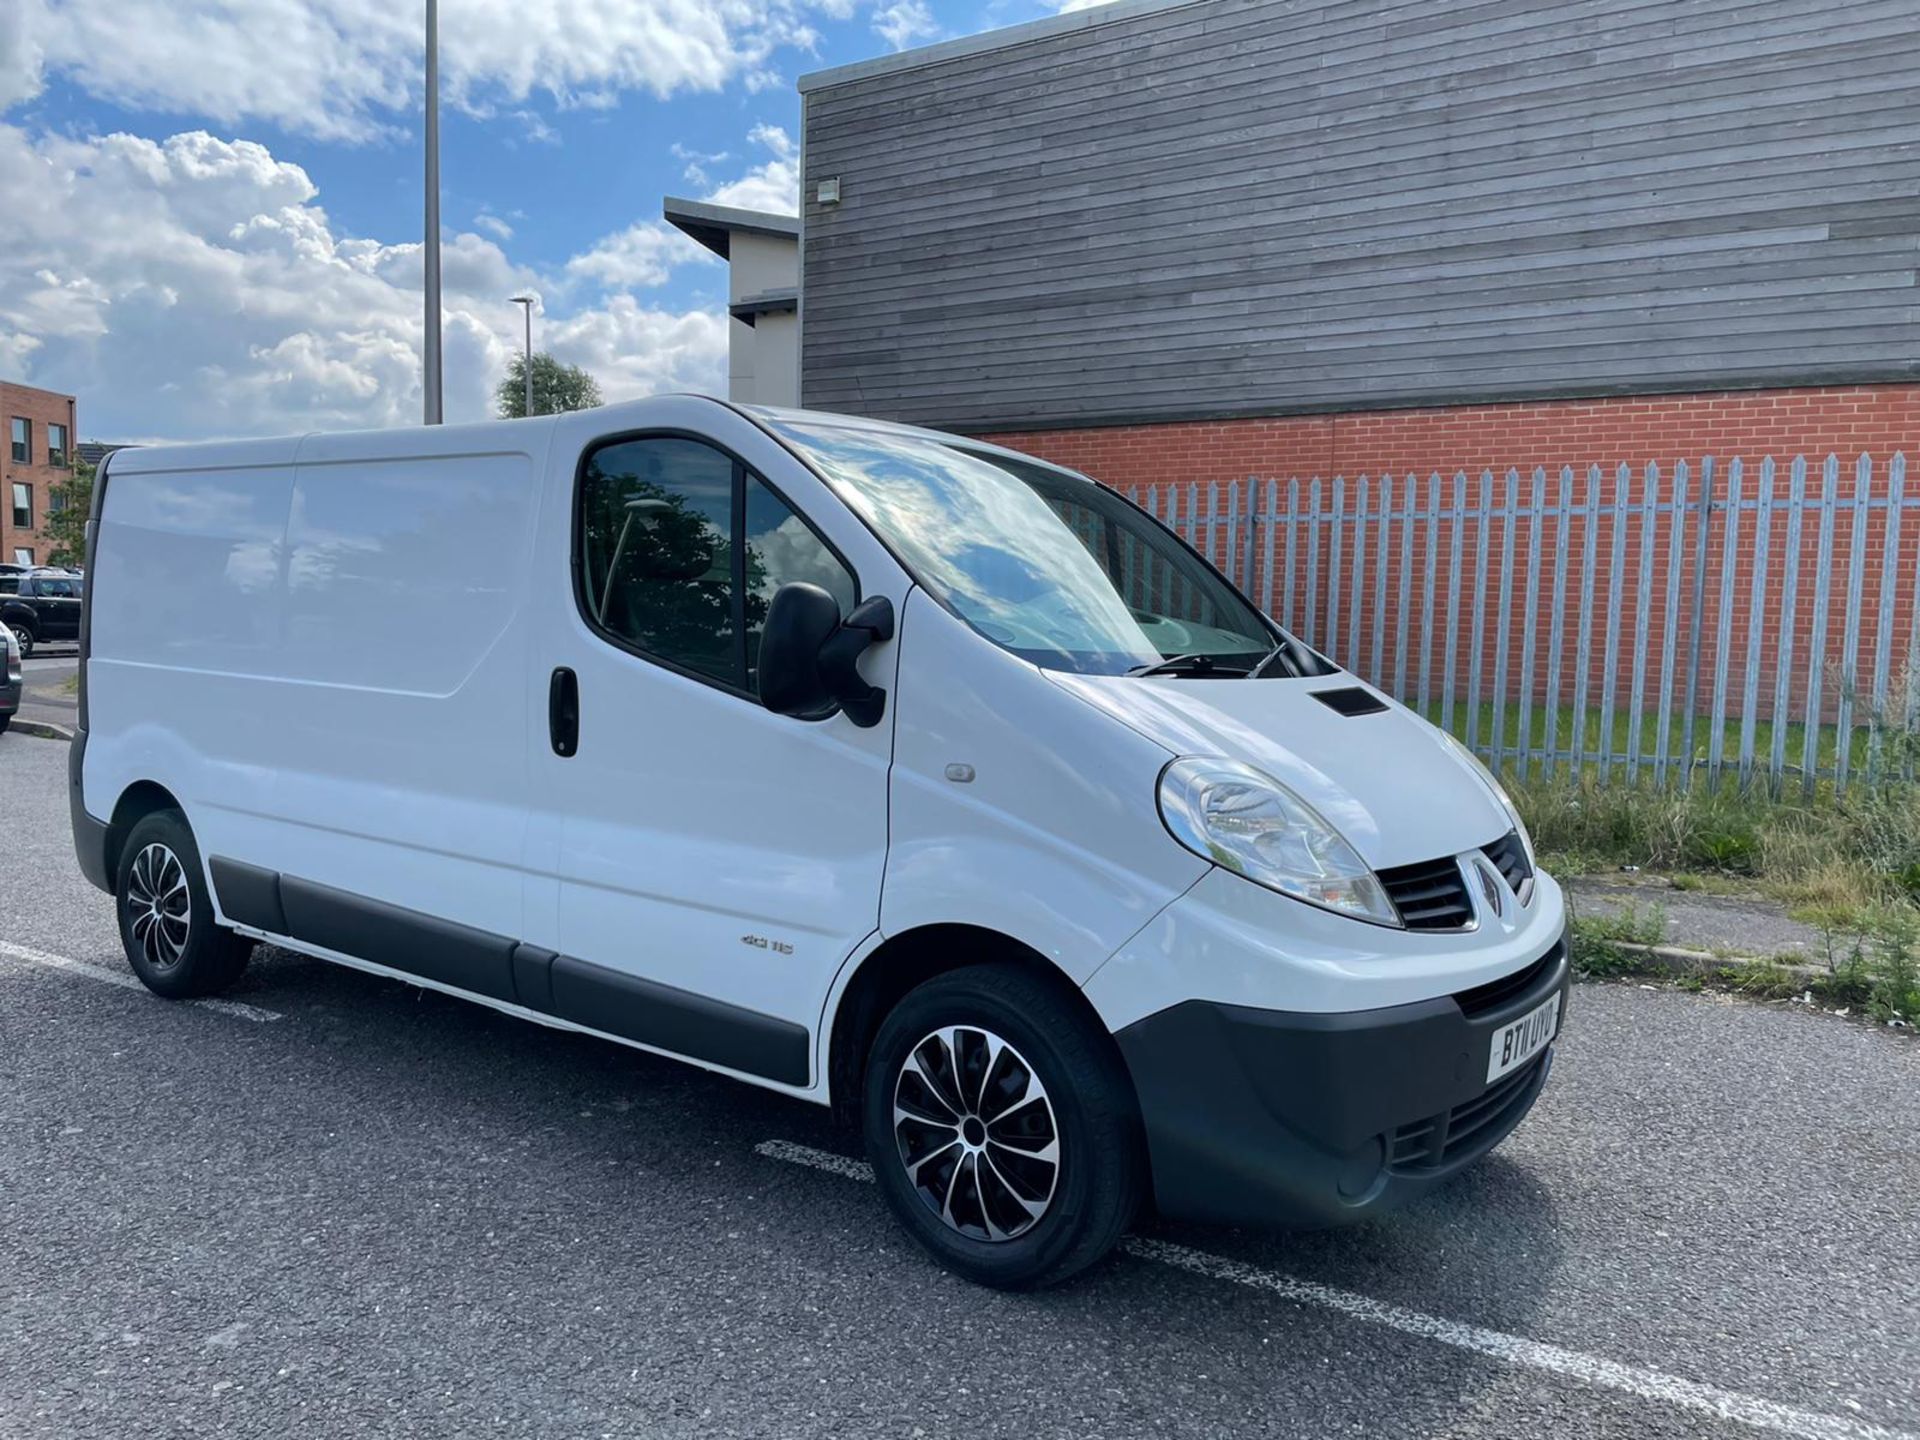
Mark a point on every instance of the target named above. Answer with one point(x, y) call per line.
point(879, 767)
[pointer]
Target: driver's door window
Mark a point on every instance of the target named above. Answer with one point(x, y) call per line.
point(681, 548)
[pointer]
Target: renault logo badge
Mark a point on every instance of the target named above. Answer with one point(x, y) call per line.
point(1491, 886)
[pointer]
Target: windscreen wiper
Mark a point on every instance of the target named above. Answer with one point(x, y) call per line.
point(1189, 665)
point(1290, 657)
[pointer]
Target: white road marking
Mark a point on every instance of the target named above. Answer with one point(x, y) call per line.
point(1514, 1350)
point(129, 982)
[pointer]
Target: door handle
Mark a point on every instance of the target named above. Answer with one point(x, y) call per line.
point(563, 712)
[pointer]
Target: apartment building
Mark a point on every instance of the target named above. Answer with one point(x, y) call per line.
point(37, 456)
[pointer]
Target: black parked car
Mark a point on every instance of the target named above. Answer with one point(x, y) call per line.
point(9, 676)
point(40, 606)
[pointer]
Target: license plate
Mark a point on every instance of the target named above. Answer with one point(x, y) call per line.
point(1525, 1038)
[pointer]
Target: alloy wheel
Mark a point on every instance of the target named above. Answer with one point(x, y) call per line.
point(159, 906)
point(976, 1132)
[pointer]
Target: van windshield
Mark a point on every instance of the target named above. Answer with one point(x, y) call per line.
point(1047, 565)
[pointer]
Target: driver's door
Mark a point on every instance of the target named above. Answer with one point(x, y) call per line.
point(717, 862)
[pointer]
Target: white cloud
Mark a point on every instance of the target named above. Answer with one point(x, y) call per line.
point(221, 300)
point(640, 255)
point(535, 129)
point(772, 185)
point(695, 162)
point(21, 60)
point(632, 349)
point(349, 69)
point(905, 22)
point(493, 225)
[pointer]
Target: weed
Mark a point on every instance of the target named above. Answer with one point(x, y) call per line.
point(1889, 970)
point(1599, 943)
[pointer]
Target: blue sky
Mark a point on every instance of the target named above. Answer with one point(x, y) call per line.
point(210, 213)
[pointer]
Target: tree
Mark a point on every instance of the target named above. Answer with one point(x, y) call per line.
point(65, 526)
point(556, 388)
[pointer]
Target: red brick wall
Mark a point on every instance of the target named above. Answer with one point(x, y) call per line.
point(1877, 420)
point(1844, 419)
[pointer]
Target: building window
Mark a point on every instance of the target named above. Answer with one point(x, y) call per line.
point(22, 555)
point(22, 441)
point(22, 505)
point(56, 499)
point(57, 446)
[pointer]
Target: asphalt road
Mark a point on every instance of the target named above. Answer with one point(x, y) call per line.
point(45, 696)
point(354, 1208)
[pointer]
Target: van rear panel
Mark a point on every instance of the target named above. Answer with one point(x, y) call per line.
point(321, 652)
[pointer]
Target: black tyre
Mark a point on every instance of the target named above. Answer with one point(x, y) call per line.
point(1002, 1127)
point(166, 915)
point(5, 720)
point(26, 639)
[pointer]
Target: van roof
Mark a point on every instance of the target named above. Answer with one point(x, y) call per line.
point(889, 427)
point(478, 437)
point(402, 440)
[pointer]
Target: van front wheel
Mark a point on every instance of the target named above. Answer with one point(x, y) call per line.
point(1002, 1127)
point(166, 916)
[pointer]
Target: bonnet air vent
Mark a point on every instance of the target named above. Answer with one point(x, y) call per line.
point(1351, 701)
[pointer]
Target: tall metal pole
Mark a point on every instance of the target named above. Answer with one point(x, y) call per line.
point(525, 302)
point(431, 368)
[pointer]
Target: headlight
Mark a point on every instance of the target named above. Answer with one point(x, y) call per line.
point(1253, 825)
point(1499, 793)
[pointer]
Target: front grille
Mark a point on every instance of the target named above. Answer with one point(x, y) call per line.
point(1509, 857)
point(1469, 1129)
point(1429, 896)
point(1484, 999)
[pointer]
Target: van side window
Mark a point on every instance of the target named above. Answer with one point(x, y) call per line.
point(662, 563)
point(781, 547)
point(656, 518)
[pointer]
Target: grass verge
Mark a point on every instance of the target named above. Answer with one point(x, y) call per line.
point(1832, 860)
point(1877, 971)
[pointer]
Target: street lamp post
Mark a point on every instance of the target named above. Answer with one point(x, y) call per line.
point(431, 367)
point(525, 302)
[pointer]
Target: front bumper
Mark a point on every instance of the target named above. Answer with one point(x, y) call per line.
point(9, 693)
point(1269, 1117)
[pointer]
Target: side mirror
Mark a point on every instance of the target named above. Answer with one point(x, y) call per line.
point(801, 618)
point(809, 655)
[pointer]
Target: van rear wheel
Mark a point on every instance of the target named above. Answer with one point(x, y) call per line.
point(1002, 1127)
point(166, 916)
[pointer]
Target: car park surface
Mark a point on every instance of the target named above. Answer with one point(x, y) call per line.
point(354, 1207)
point(47, 696)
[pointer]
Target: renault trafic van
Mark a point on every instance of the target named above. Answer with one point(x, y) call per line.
point(875, 766)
